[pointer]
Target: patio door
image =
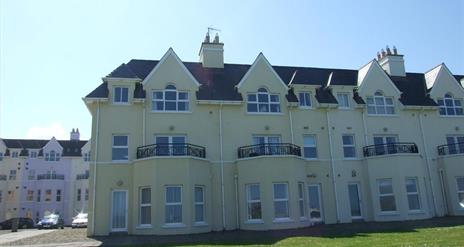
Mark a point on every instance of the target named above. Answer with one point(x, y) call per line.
point(315, 202)
point(119, 211)
point(354, 194)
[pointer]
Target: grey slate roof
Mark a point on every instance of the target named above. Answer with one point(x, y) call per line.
point(70, 148)
point(219, 83)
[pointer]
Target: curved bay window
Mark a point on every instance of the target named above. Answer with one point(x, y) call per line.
point(262, 101)
point(450, 106)
point(170, 99)
point(380, 105)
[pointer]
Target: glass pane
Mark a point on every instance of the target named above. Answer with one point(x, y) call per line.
point(125, 94)
point(120, 140)
point(461, 199)
point(198, 194)
point(259, 140)
point(450, 140)
point(370, 100)
point(263, 107)
point(380, 109)
point(117, 94)
point(450, 111)
point(302, 99)
point(349, 152)
point(280, 191)
point(411, 185)
point(302, 209)
point(178, 139)
point(457, 102)
point(263, 97)
point(440, 102)
point(413, 201)
point(387, 203)
point(300, 190)
point(118, 218)
point(273, 139)
point(162, 140)
point(354, 200)
point(158, 106)
point(199, 213)
point(379, 101)
point(182, 106)
point(385, 187)
point(173, 214)
point(157, 95)
point(460, 182)
point(262, 90)
point(390, 139)
point(120, 154)
point(314, 203)
point(170, 95)
point(389, 101)
point(371, 109)
point(253, 192)
point(252, 107)
point(281, 209)
point(170, 105)
point(254, 210)
point(145, 215)
point(146, 195)
point(310, 152)
point(309, 141)
point(449, 102)
point(183, 95)
point(459, 111)
point(275, 107)
point(274, 98)
point(252, 97)
point(347, 140)
point(173, 195)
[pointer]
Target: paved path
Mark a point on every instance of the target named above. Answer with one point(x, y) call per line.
point(21, 234)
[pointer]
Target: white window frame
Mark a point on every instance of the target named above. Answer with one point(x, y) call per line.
point(286, 200)
point(340, 97)
point(455, 106)
point(263, 92)
point(58, 195)
point(413, 193)
point(13, 174)
point(14, 154)
point(302, 201)
point(113, 147)
point(30, 196)
point(304, 100)
point(392, 194)
point(52, 156)
point(120, 101)
point(33, 154)
point(372, 104)
point(86, 156)
point(457, 148)
point(250, 203)
point(199, 203)
point(309, 146)
point(170, 89)
point(352, 146)
point(319, 195)
point(167, 204)
point(144, 205)
point(460, 192)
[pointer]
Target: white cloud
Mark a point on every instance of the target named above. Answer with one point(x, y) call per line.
point(47, 132)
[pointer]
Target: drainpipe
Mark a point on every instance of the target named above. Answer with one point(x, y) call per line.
point(332, 165)
point(427, 163)
point(95, 165)
point(143, 123)
point(364, 128)
point(223, 206)
point(443, 190)
point(237, 212)
point(291, 123)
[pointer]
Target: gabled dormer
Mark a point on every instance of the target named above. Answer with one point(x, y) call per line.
point(52, 151)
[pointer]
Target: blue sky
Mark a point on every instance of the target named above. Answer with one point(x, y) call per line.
point(52, 53)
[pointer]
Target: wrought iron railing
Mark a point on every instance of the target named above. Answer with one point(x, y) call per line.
point(50, 177)
point(82, 176)
point(455, 148)
point(390, 148)
point(3, 177)
point(269, 149)
point(184, 149)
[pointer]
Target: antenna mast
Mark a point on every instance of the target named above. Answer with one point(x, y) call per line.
point(212, 29)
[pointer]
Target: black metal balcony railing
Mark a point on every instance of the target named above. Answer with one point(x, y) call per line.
point(184, 149)
point(3, 177)
point(50, 177)
point(455, 148)
point(269, 149)
point(390, 148)
point(82, 176)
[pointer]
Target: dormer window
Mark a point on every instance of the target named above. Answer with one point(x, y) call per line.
point(380, 105)
point(262, 101)
point(121, 95)
point(169, 100)
point(52, 156)
point(87, 157)
point(14, 154)
point(450, 106)
point(32, 154)
point(305, 99)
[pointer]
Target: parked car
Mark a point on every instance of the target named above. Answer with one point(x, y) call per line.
point(23, 223)
point(80, 220)
point(51, 221)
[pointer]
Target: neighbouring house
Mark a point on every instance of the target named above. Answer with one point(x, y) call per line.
point(39, 177)
point(190, 147)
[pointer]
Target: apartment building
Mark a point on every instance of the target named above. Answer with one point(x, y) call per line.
point(39, 177)
point(188, 147)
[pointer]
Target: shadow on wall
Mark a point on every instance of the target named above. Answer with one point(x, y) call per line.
point(241, 237)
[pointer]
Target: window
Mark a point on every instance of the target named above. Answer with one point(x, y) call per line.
point(12, 175)
point(315, 202)
point(262, 101)
point(11, 195)
point(280, 200)
point(309, 146)
point(32, 154)
point(199, 204)
point(301, 200)
point(31, 175)
point(305, 99)
point(58, 195)
point(412, 191)
point(349, 149)
point(170, 145)
point(79, 191)
point(173, 209)
point(265, 144)
point(86, 196)
point(30, 195)
point(87, 156)
point(1, 196)
point(48, 195)
point(14, 154)
point(120, 147)
point(145, 206)
point(449, 106)
point(121, 95)
point(343, 100)
point(52, 156)
point(455, 144)
point(386, 195)
point(380, 105)
point(170, 100)
point(253, 202)
point(460, 185)
point(38, 195)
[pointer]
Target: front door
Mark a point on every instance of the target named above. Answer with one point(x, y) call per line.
point(119, 211)
point(355, 200)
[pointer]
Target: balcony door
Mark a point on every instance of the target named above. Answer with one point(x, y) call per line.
point(315, 202)
point(119, 211)
point(382, 141)
point(455, 144)
point(265, 144)
point(170, 145)
point(354, 194)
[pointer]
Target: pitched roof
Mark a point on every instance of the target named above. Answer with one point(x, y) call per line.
point(70, 148)
point(219, 83)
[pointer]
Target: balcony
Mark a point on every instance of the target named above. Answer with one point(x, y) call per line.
point(50, 177)
point(455, 148)
point(184, 149)
point(82, 176)
point(269, 149)
point(3, 177)
point(390, 148)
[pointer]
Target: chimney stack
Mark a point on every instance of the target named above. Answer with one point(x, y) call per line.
point(212, 53)
point(75, 135)
point(392, 62)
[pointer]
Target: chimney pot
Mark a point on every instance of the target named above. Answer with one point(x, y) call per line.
point(395, 51)
point(388, 51)
point(216, 38)
point(382, 52)
point(207, 40)
point(378, 56)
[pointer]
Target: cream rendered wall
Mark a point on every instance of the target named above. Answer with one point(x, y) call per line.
point(452, 168)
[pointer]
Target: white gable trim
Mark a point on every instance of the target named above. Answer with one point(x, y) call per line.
point(261, 57)
point(53, 140)
point(170, 52)
point(444, 68)
point(375, 63)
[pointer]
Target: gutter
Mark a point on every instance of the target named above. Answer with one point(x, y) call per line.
point(332, 165)
point(223, 206)
point(95, 167)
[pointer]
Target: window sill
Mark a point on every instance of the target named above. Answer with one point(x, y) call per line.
point(199, 224)
point(120, 162)
point(265, 113)
point(311, 159)
point(451, 116)
point(305, 108)
point(282, 220)
point(141, 227)
point(351, 158)
point(389, 213)
point(121, 103)
point(383, 115)
point(344, 108)
point(304, 219)
point(412, 212)
point(254, 222)
point(181, 112)
point(173, 225)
